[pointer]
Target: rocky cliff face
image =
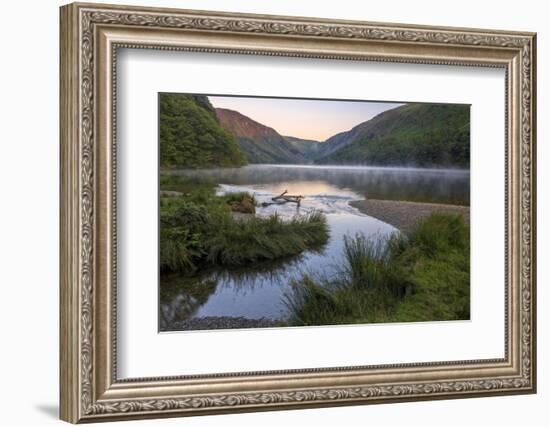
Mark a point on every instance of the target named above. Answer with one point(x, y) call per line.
point(261, 143)
point(242, 126)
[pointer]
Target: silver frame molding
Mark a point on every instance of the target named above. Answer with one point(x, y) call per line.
point(90, 37)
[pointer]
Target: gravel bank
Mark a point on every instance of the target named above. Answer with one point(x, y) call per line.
point(404, 215)
point(220, 322)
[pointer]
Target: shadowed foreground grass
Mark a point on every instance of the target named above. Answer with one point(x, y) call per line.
point(197, 229)
point(422, 277)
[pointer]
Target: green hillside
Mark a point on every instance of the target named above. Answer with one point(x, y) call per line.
point(428, 135)
point(307, 147)
point(267, 150)
point(191, 135)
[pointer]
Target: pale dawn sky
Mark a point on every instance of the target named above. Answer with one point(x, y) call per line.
point(304, 118)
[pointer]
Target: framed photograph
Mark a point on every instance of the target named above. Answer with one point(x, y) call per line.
point(266, 212)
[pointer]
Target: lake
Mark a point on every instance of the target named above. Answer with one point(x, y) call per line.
point(259, 291)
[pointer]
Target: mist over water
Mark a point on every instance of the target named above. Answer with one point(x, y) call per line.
point(448, 186)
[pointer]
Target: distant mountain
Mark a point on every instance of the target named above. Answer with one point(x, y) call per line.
point(192, 137)
point(307, 147)
point(261, 143)
point(427, 135)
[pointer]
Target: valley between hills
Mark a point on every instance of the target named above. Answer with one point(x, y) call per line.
point(197, 135)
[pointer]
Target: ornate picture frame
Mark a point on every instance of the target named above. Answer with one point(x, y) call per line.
point(90, 37)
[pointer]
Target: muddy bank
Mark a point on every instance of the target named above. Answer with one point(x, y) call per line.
point(404, 215)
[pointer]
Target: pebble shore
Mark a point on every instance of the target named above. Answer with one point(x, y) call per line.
point(220, 322)
point(405, 215)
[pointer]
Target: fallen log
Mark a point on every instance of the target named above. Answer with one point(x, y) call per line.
point(287, 197)
point(283, 198)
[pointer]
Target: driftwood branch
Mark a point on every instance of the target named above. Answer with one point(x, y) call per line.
point(283, 198)
point(280, 196)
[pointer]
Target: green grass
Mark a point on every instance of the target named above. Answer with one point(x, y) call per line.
point(424, 277)
point(197, 229)
point(438, 264)
point(237, 243)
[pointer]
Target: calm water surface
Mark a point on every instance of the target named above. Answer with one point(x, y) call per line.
point(259, 291)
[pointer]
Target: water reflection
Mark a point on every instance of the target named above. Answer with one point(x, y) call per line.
point(182, 296)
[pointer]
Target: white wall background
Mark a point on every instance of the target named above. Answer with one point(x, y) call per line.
point(29, 170)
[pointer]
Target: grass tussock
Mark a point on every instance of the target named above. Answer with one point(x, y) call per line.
point(198, 229)
point(241, 202)
point(424, 277)
point(257, 239)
